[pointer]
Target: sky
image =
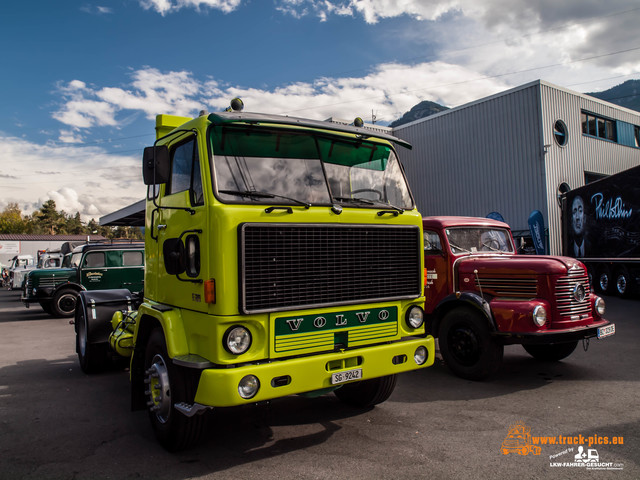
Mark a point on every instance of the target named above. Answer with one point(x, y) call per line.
point(82, 81)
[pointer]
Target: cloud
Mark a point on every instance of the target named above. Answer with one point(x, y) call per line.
point(164, 7)
point(96, 10)
point(76, 177)
point(390, 90)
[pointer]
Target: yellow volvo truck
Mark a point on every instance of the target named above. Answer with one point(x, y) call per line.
point(283, 256)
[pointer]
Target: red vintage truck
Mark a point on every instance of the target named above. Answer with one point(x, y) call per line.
point(482, 295)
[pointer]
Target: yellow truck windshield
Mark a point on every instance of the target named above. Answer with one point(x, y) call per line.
point(254, 165)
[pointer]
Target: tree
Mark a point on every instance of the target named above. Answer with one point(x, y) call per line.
point(49, 217)
point(11, 220)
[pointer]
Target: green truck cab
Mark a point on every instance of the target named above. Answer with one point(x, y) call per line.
point(283, 256)
point(93, 266)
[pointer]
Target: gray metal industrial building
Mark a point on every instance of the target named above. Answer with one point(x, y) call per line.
point(512, 152)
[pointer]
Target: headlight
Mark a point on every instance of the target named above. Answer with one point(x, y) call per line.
point(415, 317)
point(420, 356)
point(248, 386)
point(539, 315)
point(600, 308)
point(237, 340)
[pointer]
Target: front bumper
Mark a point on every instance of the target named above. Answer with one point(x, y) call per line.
point(219, 387)
point(550, 336)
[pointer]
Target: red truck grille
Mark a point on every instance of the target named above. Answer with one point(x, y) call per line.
point(568, 301)
point(508, 287)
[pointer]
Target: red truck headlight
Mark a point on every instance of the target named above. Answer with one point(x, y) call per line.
point(599, 306)
point(539, 315)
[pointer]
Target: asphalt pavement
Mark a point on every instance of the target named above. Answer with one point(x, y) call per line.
point(58, 423)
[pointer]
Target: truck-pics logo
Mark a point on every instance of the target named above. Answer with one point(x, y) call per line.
point(518, 440)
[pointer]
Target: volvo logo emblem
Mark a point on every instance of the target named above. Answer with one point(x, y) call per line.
point(579, 293)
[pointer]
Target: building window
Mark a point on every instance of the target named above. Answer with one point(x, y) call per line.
point(636, 136)
point(600, 127)
point(560, 133)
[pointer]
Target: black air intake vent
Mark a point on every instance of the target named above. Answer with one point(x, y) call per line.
point(290, 266)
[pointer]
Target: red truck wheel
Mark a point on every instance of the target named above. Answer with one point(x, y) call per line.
point(466, 345)
point(551, 353)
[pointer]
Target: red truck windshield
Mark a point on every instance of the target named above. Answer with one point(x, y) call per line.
point(479, 239)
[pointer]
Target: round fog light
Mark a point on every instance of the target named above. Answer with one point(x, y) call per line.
point(415, 317)
point(420, 356)
point(248, 387)
point(539, 315)
point(600, 308)
point(237, 340)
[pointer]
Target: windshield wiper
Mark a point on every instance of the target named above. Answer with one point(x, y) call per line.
point(369, 202)
point(453, 245)
point(251, 193)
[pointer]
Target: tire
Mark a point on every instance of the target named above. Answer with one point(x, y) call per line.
point(64, 302)
point(466, 345)
point(367, 393)
point(603, 282)
point(93, 357)
point(551, 353)
point(622, 285)
point(168, 385)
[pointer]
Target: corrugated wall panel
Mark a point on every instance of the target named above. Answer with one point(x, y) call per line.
point(480, 158)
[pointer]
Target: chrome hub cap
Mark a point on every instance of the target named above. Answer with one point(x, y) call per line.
point(159, 392)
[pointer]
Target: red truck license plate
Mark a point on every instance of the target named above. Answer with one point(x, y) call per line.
point(606, 331)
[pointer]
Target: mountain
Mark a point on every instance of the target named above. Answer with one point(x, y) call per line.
point(421, 110)
point(626, 95)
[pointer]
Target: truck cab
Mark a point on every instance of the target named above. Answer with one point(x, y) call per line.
point(482, 295)
point(92, 266)
point(283, 257)
point(18, 269)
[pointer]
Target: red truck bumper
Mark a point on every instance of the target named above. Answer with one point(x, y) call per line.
point(599, 330)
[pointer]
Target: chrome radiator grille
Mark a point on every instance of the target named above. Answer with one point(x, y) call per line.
point(568, 304)
point(289, 266)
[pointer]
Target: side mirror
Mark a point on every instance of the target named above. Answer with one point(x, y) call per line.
point(156, 165)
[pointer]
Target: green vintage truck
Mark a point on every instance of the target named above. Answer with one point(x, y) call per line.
point(94, 266)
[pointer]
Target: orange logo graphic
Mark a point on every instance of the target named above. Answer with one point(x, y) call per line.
point(518, 440)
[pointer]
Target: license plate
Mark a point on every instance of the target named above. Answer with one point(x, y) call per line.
point(606, 331)
point(346, 376)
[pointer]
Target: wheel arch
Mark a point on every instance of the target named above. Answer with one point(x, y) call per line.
point(72, 285)
point(470, 300)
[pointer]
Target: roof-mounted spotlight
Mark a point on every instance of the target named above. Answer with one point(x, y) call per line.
point(358, 122)
point(236, 105)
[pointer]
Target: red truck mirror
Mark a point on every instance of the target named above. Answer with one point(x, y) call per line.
point(155, 165)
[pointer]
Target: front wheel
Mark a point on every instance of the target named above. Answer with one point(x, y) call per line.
point(64, 302)
point(466, 345)
point(551, 353)
point(169, 385)
point(367, 393)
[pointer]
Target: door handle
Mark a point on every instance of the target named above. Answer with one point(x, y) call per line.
point(161, 226)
